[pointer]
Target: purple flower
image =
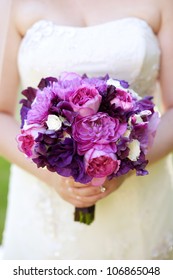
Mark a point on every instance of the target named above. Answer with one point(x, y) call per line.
point(118, 84)
point(111, 108)
point(140, 165)
point(125, 166)
point(78, 171)
point(67, 84)
point(152, 127)
point(144, 104)
point(30, 94)
point(40, 107)
point(64, 109)
point(59, 155)
point(100, 83)
point(70, 78)
point(54, 152)
point(140, 132)
point(122, 148)
point(143, 128)
point(96, 129)
point(124, 84)
point(47, 82)
point(85, 97)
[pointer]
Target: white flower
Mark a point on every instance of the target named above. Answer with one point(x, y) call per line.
point(54, 122)
point(127, 133)
point(116, 83)
point(156, 109)
point(134, 152)
point(137, 119)
point(145, 113)
point(134, 94)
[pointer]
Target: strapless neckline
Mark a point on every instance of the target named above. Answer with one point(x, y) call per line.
point(95, 26)
point(125, 48)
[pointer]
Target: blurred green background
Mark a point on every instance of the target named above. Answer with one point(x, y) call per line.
point(4, 179)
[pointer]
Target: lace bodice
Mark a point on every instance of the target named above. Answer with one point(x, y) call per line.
point(125, 49)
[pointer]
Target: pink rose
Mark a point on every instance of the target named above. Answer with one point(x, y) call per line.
point(123, 99)
point(84, 97)
point(99, 164)
point(97, 129)
point(26, 140)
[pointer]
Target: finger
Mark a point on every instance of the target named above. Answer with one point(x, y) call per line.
point(78, 201)
point(71, 183)
point(85, 191)
point(82, 201)
point(90, 199)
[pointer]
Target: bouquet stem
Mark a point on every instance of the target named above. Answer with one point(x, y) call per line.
point(84, 215)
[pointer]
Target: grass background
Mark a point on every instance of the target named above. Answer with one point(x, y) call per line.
point(4, 179)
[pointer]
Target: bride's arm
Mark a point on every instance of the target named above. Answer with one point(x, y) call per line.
point(8, 101)
point(163, 143)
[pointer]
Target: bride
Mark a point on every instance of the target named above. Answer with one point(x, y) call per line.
point(130, 40)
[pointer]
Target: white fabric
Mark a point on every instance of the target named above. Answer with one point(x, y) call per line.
point(135, 222)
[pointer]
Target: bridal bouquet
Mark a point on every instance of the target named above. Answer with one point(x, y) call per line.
point(91, 129)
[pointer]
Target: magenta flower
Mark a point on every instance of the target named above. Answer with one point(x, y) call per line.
point(100, 164)
point(123, 99)
point(26, 140)
point(96, 129)
point(85, 97)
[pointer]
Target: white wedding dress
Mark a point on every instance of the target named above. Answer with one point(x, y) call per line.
point(134, 222)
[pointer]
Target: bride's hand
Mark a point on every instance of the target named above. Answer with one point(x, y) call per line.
point(78, 194)
point(81, 195)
